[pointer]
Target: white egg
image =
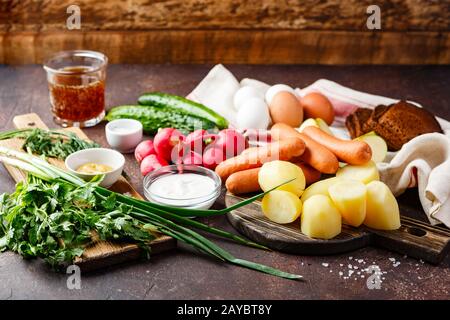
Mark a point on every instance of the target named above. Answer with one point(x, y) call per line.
point(254, 114)
point(273, 90)
point(245, 93)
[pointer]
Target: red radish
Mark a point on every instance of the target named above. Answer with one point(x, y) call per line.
point(165, 140)
point(212, 156)
point(152, 162)
point(231, 141)
point(193, 158)
point(145, 148)
point(195, 140)
point(198, 140)
point(178, 153)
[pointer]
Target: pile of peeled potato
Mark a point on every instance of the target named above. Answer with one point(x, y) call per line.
point(351, 193)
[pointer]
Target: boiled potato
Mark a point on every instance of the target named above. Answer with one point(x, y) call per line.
point(277, 172)
point(323, 125)
point(382, 208)
point(320, 218)
point(377, 145)
point(319, 187)
point(349, 197)
point(319, 123)
point(281, 206)
point(308, 123)
point(365, 173)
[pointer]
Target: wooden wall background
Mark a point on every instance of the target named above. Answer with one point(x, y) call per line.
point(229, 31)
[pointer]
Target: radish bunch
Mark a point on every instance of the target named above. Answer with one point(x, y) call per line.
point(199, 148)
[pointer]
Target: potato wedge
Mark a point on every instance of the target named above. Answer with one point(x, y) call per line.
point(382, 210)
point(377, 144)
point(281, 206)
point(365, 173)
point(277, 172)
point(320, 218)
point(349, 197)
point(307, 123)
point(320, 187)
point(324, 126)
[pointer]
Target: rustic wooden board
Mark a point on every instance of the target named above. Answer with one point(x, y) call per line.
point(414, 238)
point(229, 31)
point(100, 253)
point(234, 46)
point(400, 15)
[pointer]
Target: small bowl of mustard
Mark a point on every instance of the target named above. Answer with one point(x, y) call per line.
point(89, 163)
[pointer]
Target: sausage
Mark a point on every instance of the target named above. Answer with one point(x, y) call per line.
point(279, 150)
point(316, 155)
point(350, 151)
point(311, 175)
point(246, 181)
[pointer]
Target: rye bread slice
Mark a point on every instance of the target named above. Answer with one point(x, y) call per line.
point(401, 122)
point(356, 122)
point(375, 116)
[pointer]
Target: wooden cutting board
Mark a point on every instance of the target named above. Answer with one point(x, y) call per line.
point(101, 253)
point(414, 238)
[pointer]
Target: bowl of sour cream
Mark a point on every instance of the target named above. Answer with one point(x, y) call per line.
point(184, 186)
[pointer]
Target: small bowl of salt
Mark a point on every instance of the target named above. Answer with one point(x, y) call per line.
point(124, 134)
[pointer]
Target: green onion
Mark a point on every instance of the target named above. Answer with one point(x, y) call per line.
point(167, 220)
point(49, 143)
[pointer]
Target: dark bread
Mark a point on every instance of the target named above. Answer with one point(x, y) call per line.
point(356, 122)
point(397, 123)
point(374, 116)
point(402, 122)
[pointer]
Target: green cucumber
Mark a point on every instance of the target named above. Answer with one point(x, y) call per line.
point(155, 117)
point(168, 100)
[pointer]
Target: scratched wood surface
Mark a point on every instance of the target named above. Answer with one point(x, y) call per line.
point(229, 31)
point(101, 253)
point(185, 274)
point(414, 238)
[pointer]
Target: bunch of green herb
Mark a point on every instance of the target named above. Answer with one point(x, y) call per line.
point(49, 143)
point(55, 220)
point(30, 225)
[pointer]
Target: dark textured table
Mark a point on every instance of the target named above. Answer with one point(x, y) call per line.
point(183, 274)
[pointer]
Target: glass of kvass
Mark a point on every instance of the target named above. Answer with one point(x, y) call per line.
point(76, 82)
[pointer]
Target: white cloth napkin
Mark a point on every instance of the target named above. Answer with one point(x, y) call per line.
point(423, 162)
point(216, 91)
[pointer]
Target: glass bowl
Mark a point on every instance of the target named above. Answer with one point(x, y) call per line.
point(204, 200)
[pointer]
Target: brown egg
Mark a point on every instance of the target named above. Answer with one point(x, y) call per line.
point(286, 108)
point(316, 105)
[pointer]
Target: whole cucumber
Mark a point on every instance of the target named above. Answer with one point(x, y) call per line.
point(154, 117)
point(176, 102)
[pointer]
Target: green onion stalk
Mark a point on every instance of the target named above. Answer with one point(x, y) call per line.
point(166, 220)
